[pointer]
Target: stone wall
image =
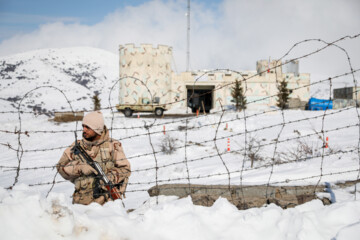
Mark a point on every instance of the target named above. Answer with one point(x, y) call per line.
point(242, 197)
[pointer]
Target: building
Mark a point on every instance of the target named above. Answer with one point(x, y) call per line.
point(346, 97)
point(145, 71)
point(347, 93)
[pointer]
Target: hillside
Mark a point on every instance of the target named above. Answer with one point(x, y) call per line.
point(79, 73)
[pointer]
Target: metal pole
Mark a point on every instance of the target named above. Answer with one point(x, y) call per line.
point(188, 38)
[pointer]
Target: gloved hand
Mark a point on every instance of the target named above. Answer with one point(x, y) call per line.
point(76, 168)
point(86, 169)
point(116, 175)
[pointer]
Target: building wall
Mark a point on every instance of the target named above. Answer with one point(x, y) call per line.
point(260, 91)
point(347, 93)
point(145, 71)
point(153, 67)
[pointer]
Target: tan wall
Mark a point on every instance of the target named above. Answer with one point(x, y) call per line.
point(260, 90)
point(268, 66)
point(152, 66)
point(145, 71)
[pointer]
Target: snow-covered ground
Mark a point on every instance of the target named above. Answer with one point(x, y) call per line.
point(27, 215)
point(39, 205)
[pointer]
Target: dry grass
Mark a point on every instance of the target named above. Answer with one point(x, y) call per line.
point(68, 116)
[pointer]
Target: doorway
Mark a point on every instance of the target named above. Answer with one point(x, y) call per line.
point(200, 97)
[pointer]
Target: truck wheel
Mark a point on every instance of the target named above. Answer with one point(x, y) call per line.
point(128, 112)
point(159, 112)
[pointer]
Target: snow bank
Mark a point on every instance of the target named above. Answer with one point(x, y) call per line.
point(26, 215)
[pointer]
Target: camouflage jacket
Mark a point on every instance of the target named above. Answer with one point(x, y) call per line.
point(110, 155)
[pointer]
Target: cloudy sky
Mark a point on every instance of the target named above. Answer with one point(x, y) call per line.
point(231, 34)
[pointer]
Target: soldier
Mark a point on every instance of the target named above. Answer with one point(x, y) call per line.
point(102, 149)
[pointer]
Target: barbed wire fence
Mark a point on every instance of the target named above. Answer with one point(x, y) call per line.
point(194, 155)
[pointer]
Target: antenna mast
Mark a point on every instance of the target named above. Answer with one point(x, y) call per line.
point(188, 37)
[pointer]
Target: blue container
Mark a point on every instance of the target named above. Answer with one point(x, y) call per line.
point(316, 104)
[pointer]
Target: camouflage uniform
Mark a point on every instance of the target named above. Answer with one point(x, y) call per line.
point(109, 154)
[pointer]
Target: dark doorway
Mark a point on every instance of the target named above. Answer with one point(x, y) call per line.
point(200, 97)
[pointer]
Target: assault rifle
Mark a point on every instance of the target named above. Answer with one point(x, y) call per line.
point(78, 150)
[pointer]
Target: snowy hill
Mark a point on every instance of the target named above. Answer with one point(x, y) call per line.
point(79, 72)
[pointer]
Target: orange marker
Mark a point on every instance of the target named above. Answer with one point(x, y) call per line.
point(326, 144)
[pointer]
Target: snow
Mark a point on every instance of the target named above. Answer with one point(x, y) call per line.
point(27, 215)
point(75, 73)
point(37, 208)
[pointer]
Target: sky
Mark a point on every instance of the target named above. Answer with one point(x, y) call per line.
point(230, 34)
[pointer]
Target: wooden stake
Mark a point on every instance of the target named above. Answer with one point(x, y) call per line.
point(202, 103)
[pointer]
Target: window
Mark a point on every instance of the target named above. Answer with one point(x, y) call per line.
point(145, 101)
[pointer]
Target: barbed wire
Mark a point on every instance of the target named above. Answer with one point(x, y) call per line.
point(186, 118)
point(287, 180)
point(150, 130)
point(253, 131)
point(236, 151)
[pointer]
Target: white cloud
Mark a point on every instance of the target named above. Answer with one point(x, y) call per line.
point(15, 18)
point(233, 36)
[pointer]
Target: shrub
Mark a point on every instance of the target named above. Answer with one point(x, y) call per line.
point(168, 145)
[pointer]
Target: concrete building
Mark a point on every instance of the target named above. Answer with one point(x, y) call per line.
point(145, 71)
point(346, 97)
point(347, 93)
